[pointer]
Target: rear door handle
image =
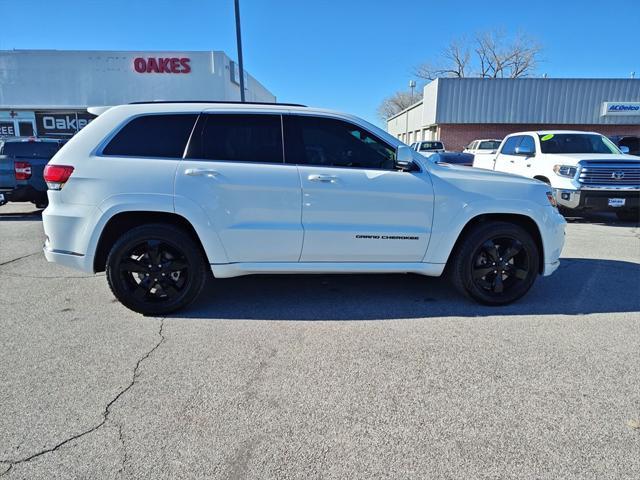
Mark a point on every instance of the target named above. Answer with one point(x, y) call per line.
point(322, 178)
point(201, 172)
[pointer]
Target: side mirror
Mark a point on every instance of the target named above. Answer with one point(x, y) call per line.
point(524, 150)
point(624, 149)
point(404, 157)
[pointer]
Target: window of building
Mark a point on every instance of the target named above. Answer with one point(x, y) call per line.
point(153, 136)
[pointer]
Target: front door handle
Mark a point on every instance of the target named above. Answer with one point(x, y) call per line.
point(201, 172)
point(322, 178)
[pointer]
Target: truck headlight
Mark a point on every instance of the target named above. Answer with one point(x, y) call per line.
point(565, 170)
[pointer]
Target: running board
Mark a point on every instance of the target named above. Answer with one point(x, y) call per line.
point(227, 270)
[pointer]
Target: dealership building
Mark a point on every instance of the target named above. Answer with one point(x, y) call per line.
point(457, 111)
point(47, 92)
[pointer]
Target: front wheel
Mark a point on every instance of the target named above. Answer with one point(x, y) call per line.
point(496, 263)
point(156, 269)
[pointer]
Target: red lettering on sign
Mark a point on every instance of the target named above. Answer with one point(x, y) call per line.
point(162, 65)
point(152, 65)
point(140, 65)
point(175, 65)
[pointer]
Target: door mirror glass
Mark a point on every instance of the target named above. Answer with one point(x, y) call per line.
point(404, 157)
point(624, 149)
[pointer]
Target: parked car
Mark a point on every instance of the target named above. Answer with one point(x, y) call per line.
point(631, 142)
point(161, 195)
point(453, 158)
point(428, 148)
point(22, 162)
point(487, 146)
point(586, 170)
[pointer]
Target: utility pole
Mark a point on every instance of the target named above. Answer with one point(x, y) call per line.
point(239, 42)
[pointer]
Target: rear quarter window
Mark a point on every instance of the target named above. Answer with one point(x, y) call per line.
point(163, 136)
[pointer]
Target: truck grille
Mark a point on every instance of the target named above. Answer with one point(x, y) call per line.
point(610, 174)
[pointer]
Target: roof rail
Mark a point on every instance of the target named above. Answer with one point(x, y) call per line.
point(234, 102)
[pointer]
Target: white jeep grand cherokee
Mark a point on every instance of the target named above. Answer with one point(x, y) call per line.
point(161, 194)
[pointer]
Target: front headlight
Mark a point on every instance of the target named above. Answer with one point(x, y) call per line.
point(565, 170)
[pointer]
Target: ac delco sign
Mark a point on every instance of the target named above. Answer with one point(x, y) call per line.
point(162, 65)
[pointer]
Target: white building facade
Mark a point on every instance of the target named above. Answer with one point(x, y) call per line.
point(47, 92)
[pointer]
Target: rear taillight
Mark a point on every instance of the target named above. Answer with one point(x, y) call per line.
point(23, 170)
point(57, 175)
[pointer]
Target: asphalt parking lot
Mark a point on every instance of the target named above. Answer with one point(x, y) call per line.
point(391, 376)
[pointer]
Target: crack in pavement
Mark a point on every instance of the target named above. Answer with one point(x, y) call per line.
point(20, 258)
point(105, 413)
point(124, 450)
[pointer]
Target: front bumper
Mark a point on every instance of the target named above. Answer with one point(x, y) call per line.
point(598, 199)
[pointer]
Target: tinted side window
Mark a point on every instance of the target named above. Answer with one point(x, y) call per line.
point(153, 136)
point(510, 145)
point(334, 143)
point(528, 141)
point(238, 138)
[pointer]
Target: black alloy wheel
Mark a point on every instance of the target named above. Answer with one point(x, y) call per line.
point(156, 269)
point(496, 263)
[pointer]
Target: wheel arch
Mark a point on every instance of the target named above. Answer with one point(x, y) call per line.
point(523, 221)
point(124, 221)
point(542, 178)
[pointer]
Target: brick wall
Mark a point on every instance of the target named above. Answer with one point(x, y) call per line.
point(457, 136)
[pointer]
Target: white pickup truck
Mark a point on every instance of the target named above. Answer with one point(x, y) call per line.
point(585, 170)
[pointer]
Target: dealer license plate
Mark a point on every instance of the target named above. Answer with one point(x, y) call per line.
point(616, 202)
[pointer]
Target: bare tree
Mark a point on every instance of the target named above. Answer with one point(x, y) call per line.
point(457, 58)
point(396, 103)
point(494, 56)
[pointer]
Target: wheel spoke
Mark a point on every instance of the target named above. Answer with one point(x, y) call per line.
point(153, 250)
point(143, 288)
point(498, 286)
point(481, 271)
point(133, 266)
point(514, 249)
point(177, 265)
point(519, 273)
point(491, 249)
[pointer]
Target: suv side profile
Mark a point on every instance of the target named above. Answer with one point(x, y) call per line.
point(162, 195)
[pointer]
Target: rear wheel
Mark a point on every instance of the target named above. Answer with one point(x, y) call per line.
point(496, 263)
point(156, 269)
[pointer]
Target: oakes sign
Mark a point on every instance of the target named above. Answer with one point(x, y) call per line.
point(162, 65)
point(621, 108)
point(61, 123)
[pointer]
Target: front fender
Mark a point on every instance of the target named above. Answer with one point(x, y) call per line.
point(447, 228)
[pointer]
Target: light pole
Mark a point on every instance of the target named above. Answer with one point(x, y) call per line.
point(239, 42)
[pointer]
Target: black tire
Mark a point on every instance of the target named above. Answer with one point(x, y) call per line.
point(629, 215)
point(156, 269)
point(516, 264)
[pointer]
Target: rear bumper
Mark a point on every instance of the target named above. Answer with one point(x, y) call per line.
point(598, 199)
point(73, 260)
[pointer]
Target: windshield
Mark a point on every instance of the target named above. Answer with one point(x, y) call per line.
point(30, 149)
point(431, 146)
point(489, 145)
point(576, 143)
